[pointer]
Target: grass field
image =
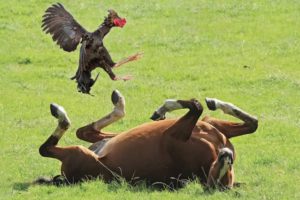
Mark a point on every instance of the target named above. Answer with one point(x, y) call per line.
point(245, 52)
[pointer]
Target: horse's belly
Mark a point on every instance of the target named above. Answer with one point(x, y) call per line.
point(156, 159)
point(97, 147)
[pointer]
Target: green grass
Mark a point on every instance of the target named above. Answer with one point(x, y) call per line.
point(245, 52)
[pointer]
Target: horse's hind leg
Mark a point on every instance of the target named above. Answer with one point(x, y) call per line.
point(231, 129)
point(183, 127)
point(49, 149)
point(77, 162)
point(92, 132)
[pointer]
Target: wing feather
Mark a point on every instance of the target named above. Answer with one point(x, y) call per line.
point(65, 30)
point(82, 58)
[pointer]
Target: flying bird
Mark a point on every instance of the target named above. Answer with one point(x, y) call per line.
point(68, 33)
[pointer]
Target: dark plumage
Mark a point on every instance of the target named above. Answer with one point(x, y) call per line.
point(68, 33)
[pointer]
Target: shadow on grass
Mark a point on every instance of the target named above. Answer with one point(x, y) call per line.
point(173, 187)
point(21, 186)
point(192, 187)
point(56, 180)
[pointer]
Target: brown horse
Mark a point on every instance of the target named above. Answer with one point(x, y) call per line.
point(164, 151)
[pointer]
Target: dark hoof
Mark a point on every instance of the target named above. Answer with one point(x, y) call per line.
point(156, 117)
point(210, 104)
point(115, 97)
point(54, 109)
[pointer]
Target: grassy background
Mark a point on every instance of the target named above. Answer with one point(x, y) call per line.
point(245, 52)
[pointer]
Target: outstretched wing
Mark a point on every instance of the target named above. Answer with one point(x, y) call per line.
point(65, 30)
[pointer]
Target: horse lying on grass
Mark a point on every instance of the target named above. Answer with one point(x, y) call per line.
point(164, 151)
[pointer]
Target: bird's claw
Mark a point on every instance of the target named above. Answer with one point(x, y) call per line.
point(135, 56)
point(128, 59)
point(124, 78)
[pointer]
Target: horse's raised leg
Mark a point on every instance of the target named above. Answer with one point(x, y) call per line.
point(78, 162)
point(92, 132)
point(231, 129)
point(168, 106)
point(183, 127)
point(49, 149)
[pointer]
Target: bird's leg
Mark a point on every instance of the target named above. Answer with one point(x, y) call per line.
point(128, 59)
point(124, 78)
point(112, 75)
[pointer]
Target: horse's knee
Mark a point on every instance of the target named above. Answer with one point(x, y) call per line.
point(253, 125)
point(43, 150)
point(193, 105)
point(196, 106)
point(80, 133)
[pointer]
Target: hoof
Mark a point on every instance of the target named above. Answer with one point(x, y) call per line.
point(116, 96)
point(210, 103)
point(156, 117)
point(57, 111)
point(54, 110)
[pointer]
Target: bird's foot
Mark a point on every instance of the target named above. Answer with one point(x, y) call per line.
point(135, 56)
point(128, 59)
point(124, 78)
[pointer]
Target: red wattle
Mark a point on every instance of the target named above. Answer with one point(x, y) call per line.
point(120, 22)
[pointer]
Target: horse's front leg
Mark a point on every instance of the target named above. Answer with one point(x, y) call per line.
point(93, 131)
point(183, 127)
point(77, 162)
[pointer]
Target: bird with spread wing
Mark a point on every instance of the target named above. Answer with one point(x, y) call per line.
point(68, 33)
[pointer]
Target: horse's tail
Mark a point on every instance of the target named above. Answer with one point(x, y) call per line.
point(56, 180)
